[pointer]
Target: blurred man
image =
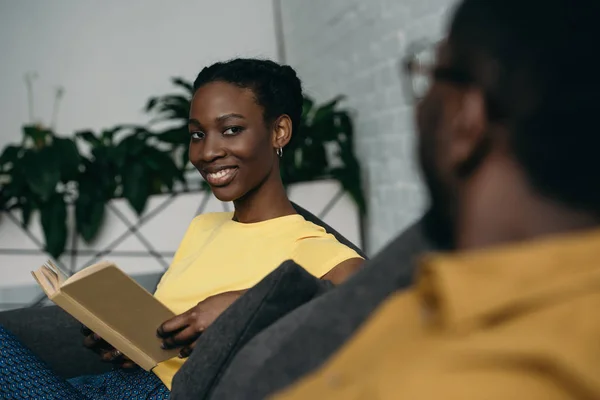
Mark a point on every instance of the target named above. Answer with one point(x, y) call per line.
point(508, 138)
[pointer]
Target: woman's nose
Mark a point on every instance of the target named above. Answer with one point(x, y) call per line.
point(207, 150)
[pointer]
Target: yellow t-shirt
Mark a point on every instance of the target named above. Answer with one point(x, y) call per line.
point(219, 255)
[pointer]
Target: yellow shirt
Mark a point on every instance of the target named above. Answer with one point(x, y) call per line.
point(219, 255)
point(515, 322)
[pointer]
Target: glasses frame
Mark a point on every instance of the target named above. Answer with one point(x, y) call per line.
point(410, 67)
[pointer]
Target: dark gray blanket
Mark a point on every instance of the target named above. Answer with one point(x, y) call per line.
point(302, 340)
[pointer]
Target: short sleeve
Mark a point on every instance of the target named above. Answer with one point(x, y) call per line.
point(320, 254)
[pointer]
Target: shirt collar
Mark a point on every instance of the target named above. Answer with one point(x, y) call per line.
point(463, 290)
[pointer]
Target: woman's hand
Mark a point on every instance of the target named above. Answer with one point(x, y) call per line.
point(106, 352)
point(184, 329)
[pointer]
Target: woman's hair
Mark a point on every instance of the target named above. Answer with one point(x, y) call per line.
point(277, 88)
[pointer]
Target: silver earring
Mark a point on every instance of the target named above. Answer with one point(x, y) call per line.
point(279, 152)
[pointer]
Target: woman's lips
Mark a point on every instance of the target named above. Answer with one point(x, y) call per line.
point(222, 177)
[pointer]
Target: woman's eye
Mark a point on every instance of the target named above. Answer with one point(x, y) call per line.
point(234, 130)
point(197, 135)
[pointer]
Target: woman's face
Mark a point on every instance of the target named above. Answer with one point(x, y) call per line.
point(230, 143)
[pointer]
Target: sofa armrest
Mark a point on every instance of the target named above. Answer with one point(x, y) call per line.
point(55, 337)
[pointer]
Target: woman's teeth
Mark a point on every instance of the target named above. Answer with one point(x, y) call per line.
point(220, 176)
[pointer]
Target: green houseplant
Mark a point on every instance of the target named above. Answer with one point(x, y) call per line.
point(47, 172)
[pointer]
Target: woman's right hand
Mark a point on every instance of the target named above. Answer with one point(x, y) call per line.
point(107, 353)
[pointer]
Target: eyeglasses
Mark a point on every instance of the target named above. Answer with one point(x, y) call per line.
point(419, 73)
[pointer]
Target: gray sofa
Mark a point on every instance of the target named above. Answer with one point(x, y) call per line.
point(55, 336)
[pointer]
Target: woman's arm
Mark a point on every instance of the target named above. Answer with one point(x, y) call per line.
point(343, 271)
point(183, 330)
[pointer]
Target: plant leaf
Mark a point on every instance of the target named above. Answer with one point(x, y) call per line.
point(42, 171)
point(54, 223)
point(136, 186)
point(132, 145)
point(182, 83)
point(38, 135)
point(68, 158)
point(150, 104)
point(10, 155)
point(163, 166)
point(172, 107)
point(89, 215)
point(327, 109)
point(307, 106)
point(185, 158)
point(349, 178)
point(17, 187)
point(26, 209)
point(108, 136)
point(89, 137)
point(178, 135)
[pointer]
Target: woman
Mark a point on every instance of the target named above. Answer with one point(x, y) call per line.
point(243, 114)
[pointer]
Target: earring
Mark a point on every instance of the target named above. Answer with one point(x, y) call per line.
point(279, 152)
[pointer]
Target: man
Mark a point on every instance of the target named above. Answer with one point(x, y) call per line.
point(508, 142)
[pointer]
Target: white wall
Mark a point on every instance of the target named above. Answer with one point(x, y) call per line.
point(353, 47)
point(111, 55)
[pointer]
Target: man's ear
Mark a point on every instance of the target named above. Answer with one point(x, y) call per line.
point(469, 128)
point(282, 131)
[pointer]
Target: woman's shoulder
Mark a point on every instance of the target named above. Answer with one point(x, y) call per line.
point(318, 251)
point(308, 229)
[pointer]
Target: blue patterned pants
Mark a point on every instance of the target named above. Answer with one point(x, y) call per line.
point(24, 376)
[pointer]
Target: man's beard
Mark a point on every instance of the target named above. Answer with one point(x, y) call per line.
point(439, 221)
point(442, 186)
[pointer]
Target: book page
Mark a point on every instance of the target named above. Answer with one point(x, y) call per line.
point(61, 276)
point(46, 285)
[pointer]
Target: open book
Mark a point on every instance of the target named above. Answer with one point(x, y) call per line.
point(113, 305)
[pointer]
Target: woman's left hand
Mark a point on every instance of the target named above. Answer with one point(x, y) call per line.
point(184, 329)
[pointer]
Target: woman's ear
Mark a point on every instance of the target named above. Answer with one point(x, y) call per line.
point(282, 131)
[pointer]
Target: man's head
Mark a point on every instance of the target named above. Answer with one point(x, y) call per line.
point(509, 126)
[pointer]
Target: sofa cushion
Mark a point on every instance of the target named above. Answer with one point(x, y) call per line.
point(55, 337)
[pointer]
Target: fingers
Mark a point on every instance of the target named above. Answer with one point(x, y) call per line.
point(128, 364)
point(110, 356)
point(174, 325)
point(187, 350)
point(183, 338)
point(93, 341)
point(85, 331)
point(107, 353)
point(114, 356)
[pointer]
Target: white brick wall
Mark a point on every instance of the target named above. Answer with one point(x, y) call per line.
point(352, 47)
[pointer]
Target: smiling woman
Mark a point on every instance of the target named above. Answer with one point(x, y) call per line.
point(243, 114)
point(238, 125)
